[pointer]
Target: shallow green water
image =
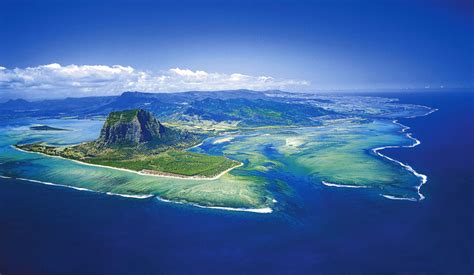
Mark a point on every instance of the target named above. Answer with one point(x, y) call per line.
point(338, 153)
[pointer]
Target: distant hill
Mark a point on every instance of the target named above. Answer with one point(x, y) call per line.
point(243, 107)
point(81, 107)
point(161, 104)
point(256, 112)
point(139, 127)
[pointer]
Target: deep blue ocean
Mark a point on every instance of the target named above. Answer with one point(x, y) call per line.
point(54, 230)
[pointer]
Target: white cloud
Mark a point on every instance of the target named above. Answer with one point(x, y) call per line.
point(189, 73)
point(55, 80)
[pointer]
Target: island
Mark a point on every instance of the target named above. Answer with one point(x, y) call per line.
point(179, 147)
point(46, 128)
point(135, 140)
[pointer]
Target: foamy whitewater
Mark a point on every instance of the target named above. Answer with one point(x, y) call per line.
point(343, 185)
point(423, 178)
point(398, 198)
point(264, 210)
point(254, 210)
point(80, 188)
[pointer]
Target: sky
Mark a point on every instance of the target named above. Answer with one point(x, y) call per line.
point(87, 48)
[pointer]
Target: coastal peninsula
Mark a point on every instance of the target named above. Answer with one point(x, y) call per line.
point(135, 140)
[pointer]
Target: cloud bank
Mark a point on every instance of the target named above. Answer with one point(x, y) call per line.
point(55, 80)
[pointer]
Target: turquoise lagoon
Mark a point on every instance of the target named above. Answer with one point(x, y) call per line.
point(337, 154)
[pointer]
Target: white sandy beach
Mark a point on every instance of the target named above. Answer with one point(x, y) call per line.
point(143, 172)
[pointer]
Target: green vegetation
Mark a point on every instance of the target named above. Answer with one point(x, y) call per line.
point(135, 140)
point(173, 162)
point(122, 116)
point(170, 162)
point(255, 112)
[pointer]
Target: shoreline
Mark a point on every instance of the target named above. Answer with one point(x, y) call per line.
point(390, 197)
point(264, 210)
point(142, 172)
point(330, 184)
point(423, 178)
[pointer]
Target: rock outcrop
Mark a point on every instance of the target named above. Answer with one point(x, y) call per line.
point(139, 127)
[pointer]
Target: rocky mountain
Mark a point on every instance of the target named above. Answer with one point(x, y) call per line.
point(139, 127)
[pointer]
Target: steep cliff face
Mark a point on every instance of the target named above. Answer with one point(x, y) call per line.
point(139, 127)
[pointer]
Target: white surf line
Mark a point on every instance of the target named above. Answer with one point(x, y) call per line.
point(79, 188)
point(343, 185)
point(197, 145)
point(129, 196)
point(136, 172)
point(254, 210)
point(423, 178)
point(265, 210)
point(398, 198)
point(432, 110)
